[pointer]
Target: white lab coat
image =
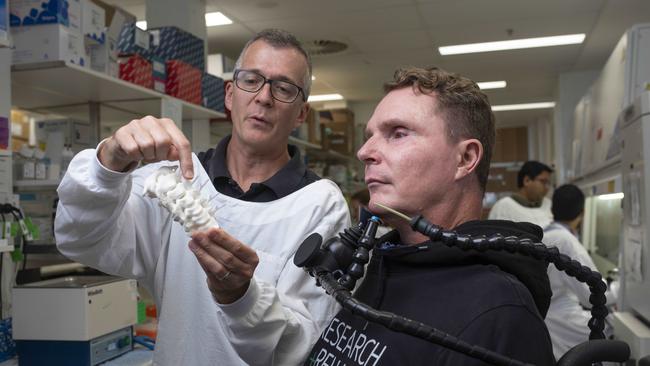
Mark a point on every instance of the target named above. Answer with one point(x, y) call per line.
point(104, 221)
point(567, 318)
point(508, 209)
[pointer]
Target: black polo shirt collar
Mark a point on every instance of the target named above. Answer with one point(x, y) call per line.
point(286, 181)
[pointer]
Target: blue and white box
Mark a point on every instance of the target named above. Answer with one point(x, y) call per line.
point(93, 23)
point(171, 43)
point(102, 59)
point(46, 43)
point(37, 12)
point(213, 92)
point(133, 40)
point(4, 23)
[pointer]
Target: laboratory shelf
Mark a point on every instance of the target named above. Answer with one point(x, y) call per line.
point(47, 183)
point(49, 86)
point(302, 143)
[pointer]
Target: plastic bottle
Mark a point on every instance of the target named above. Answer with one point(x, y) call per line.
point(24, 166)
point(66, 157)
point(40, 163)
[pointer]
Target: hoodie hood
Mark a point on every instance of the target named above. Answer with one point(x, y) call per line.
point(529, 271)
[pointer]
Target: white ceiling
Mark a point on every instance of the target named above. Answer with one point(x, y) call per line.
point(385, 34)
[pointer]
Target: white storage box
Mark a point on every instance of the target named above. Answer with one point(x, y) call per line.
point(38, 12)
point(74, 308)
point(93, 24)
point(46, 43)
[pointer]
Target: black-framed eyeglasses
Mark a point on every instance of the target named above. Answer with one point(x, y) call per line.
point(281, 90)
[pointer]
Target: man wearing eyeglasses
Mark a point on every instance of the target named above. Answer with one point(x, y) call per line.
point(529, 203)
point(257, 307)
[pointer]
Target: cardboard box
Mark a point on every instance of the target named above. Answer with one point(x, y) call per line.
point(137, 70)
point(38, 12)
point(183, 81)
point(93, 25)
point(133, 40)
point(102, 57)
point(171, 43)
point(213, 92)
point(48, 42)
point(115, 19)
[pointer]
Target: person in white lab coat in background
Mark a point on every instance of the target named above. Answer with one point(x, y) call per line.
point(568, 314)
point(529, 203)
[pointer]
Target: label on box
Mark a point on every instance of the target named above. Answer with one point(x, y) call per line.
point(159, 85)
point(37, 12)
point(141, 38)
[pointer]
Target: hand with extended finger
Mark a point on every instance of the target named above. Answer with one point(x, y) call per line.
point(228, 263)
point(148, 139)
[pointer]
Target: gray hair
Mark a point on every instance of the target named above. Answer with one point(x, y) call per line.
point(278, 38)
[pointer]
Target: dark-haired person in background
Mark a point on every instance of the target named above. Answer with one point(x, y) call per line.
point(529, 203)
point(567, 317)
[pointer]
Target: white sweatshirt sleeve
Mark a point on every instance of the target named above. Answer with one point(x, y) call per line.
point(278, 325)
point(101, 223)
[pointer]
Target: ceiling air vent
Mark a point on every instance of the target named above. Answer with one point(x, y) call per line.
point(324, 47)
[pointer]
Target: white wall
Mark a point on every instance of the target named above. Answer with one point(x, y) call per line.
point(571, 87)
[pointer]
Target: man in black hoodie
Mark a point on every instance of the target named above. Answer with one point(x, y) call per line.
point(428, 149)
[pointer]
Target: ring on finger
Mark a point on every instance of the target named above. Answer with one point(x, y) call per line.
point(225, 277)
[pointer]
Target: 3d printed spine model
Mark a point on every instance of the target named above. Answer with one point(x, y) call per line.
point(181, 199)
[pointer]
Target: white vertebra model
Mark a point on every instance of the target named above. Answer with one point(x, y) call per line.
point(181, 199)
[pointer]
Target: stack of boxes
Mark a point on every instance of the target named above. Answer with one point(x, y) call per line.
point(83, 32)
point(213, 92)
point(133, 44)
point(171, 43)
point(137, 70)
point(50, 30)
point(94, 34)
point(104, 55)
point(183, 81)
point(184, 57)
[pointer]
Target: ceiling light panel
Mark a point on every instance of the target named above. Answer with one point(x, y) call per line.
point(324, 97)
point(211, 20)
point(517, 107)
point(513, 44)
point(216, 18)
point(484, 85)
